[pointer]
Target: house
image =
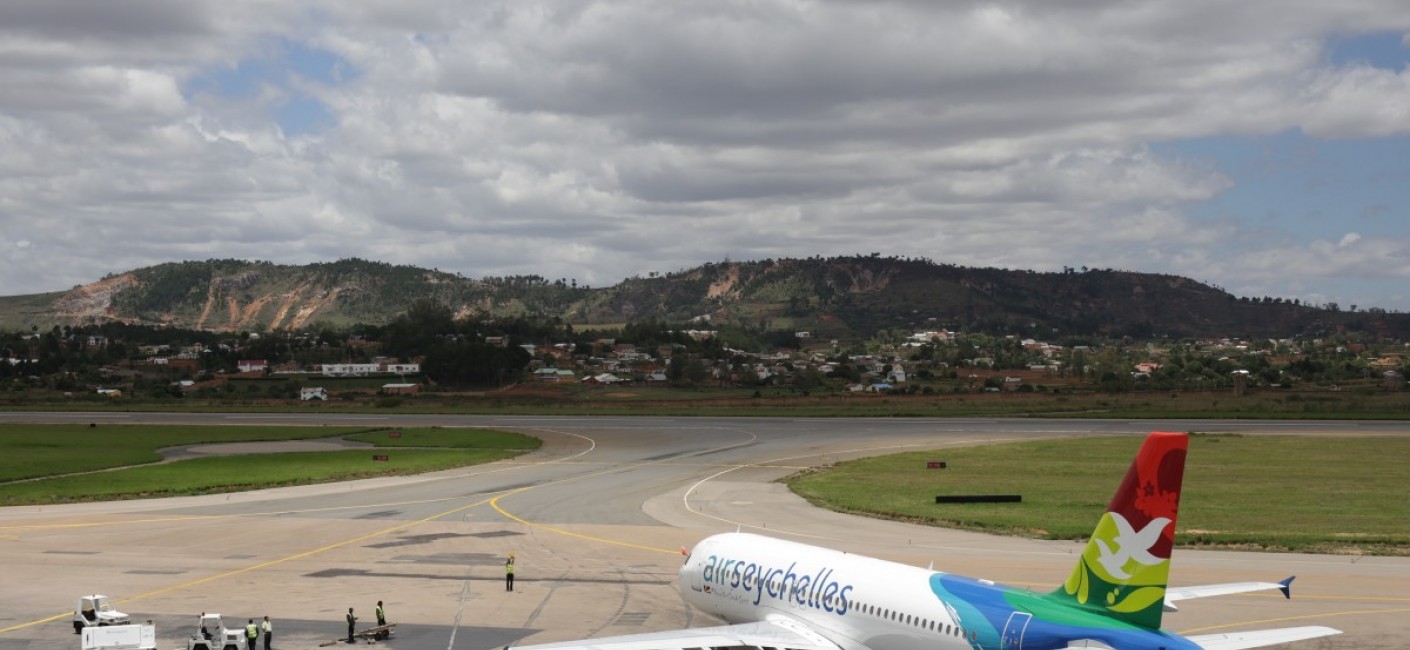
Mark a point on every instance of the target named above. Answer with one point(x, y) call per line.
point(546, 374)
point(251, 365)
point(401, 389)
point(606, 379)
point(308, 393)
point(110, 392)
point(897, 375)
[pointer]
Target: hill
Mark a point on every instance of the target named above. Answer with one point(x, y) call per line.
point(839, 297)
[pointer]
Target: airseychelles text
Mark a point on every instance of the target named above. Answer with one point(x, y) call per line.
point(818, 591)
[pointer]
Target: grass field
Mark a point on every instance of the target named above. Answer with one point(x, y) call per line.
point(30, 451)
point(237, 473)
point(1328, 495)
point(1364, 402)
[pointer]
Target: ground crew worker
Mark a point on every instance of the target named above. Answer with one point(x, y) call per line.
point(251, 633)
point(381, 615)
point(351, 619)
point(268, 631)
point(509, 573)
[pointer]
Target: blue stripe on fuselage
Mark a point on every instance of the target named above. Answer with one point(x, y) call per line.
point(986, 608)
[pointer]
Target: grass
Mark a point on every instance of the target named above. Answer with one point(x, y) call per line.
point(1328, 495)
point(237, 473)
point(32, 451)
point(576, 399)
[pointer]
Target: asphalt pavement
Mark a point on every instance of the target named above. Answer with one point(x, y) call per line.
point(596, 519)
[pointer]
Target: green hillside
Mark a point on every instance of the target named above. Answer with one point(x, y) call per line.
point(836, 297)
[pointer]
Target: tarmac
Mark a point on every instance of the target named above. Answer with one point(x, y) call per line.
point(596, 519)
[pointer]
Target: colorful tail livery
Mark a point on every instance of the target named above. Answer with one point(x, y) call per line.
point(790, 596)
point(1124, 569)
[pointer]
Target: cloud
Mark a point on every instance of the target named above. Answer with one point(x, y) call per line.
point(596, 140)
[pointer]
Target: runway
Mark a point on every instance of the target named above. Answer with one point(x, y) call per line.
point(596, 519)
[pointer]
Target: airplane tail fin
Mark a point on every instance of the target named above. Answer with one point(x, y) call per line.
point(1124, 569)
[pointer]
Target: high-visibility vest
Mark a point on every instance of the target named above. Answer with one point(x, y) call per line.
point(266, 627)
point(380, 614)
point(251, 631)
point(509, 567)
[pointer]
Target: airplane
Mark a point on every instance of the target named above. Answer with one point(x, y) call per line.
point(782, 595)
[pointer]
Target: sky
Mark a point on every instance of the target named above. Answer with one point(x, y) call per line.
point(1261, 146)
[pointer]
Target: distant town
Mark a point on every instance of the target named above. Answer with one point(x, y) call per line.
point(412, 357)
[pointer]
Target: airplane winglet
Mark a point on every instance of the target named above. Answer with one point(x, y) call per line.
point(1286, 587)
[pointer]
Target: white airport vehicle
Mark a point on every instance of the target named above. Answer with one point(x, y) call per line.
point(120, 637)
point(96, 610)
point(211, 634)
point(788, 596)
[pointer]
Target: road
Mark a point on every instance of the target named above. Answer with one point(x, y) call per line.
point(596, 519)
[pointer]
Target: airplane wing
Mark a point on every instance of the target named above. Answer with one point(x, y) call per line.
point(1173, 594)
point(1260, 638)
point(783, 634)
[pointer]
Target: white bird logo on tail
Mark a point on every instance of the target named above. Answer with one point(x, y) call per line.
point(1130, 545)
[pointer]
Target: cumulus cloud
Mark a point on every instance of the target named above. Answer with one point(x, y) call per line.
point(596, 140)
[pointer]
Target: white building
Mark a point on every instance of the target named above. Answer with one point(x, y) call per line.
point(349, 369)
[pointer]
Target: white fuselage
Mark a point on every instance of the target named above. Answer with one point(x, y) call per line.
point(857, 602)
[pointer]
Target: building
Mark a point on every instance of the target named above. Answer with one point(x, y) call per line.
point(1240, 382)
point(309, 393)
point(251, 365)
point(349, 369)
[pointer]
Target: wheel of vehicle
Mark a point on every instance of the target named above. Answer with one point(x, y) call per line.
point(77, 627)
